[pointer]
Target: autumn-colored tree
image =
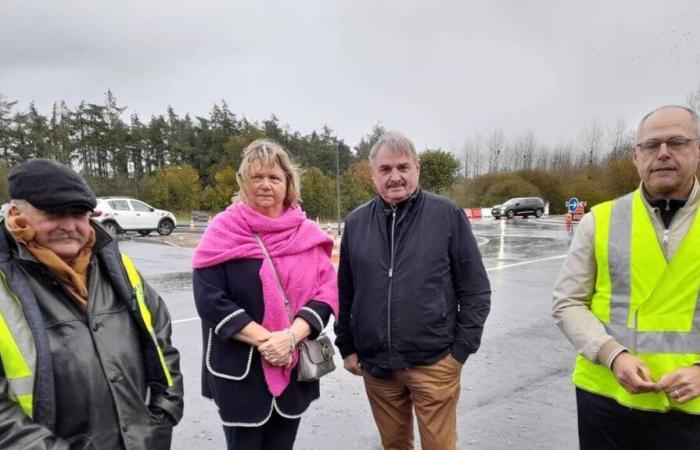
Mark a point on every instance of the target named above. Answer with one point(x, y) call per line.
point(438, 170)
point(356, 186)
point(550, 186)
point(620, 176)
point(218, 196)
point(318, 194)
point(509, 188)
point(174, 187)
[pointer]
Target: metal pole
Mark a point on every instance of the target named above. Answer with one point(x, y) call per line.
point(337, 183)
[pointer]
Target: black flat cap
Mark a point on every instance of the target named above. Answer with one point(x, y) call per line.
point(50, 186)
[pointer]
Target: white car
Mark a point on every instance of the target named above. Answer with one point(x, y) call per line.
point(120, 214)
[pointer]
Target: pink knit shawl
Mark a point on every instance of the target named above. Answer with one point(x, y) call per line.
point(300, 252)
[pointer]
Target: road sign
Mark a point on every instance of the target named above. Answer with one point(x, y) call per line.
point(572, 204)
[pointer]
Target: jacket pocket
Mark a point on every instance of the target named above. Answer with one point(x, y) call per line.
point(369, 324)
point(153, 435)
point(79, 442)
point(421, 323)
point(228, 358)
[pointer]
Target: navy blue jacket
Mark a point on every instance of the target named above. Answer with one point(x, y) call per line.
point(412, 284)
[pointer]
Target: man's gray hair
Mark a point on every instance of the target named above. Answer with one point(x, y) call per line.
point(693, 116)
point(396, 141)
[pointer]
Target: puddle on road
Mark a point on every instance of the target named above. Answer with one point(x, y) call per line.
point(512, 241)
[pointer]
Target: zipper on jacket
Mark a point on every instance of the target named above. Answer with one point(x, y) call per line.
point(392, 252)
point(666, 234)
point(667, 230)
point(665, 240)
point(391, 257)
point(391, 275)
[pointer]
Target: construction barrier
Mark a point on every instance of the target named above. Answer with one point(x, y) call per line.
point(199, 216)
point(335, 256)
point(477, 213)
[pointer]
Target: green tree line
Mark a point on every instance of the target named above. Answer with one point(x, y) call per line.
point(183, 163)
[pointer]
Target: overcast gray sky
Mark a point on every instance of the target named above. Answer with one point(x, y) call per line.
point(437, 70)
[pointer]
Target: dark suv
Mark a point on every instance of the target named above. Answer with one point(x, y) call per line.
point(521, 206)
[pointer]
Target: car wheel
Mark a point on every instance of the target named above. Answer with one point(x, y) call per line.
point(144, 233)
point(539, 213)
point(525, 216)
point(510, 214)
point(111, 227)
point(165, 227)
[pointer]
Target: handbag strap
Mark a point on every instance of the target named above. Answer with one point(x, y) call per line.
point(274, 271)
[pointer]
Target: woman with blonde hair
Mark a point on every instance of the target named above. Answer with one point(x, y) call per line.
point(250, 330)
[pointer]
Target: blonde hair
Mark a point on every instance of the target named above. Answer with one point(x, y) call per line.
point(268, 153)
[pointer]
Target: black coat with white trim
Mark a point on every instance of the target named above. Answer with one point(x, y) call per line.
point(228, 297)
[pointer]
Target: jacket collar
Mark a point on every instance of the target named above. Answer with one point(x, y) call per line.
point(690, 203)
point(410, 201)
point(7, 243)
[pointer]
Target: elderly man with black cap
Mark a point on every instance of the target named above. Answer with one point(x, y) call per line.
point(86, 360)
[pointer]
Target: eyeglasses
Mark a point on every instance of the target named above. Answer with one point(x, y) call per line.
point(674, 144)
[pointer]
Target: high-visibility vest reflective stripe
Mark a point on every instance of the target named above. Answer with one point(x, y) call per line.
point(17, 349)
point(135, 280)
point(647, 304)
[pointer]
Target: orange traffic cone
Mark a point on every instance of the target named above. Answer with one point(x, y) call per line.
point(192, 228)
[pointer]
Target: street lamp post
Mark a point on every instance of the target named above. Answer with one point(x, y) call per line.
point(337, 183)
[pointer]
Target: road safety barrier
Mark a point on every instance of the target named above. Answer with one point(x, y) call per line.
point(335, 256)
point(477, 213)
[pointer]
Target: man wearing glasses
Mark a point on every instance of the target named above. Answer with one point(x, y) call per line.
point(627, 298)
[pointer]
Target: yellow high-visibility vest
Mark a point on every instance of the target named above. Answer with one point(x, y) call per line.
point(17, 350)
point(145, 313)
point(647, 304)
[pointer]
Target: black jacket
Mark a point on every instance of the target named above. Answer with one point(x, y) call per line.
point(94, 367)
point(412, 284)
point(229, 297)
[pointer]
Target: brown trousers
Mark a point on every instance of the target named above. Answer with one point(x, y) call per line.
point(432, 390)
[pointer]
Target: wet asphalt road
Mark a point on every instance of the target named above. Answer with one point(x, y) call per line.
point(516, 391)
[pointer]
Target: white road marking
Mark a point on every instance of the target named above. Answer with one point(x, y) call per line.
point(189, 319)
point(523, 263)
